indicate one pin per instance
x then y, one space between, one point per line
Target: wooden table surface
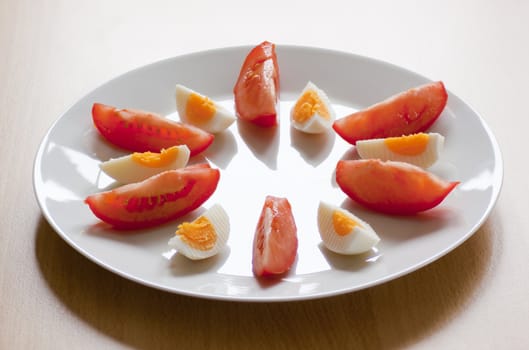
53 52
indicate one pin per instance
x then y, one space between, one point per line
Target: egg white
219 219
221 120
361 239
315 124
377 149
125 170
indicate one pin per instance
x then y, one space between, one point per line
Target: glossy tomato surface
391 187
275 242
157 200
408 112
142 131
256 91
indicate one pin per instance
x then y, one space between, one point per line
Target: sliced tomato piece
409 112
275 242
142 131
158 199
391 187
257 89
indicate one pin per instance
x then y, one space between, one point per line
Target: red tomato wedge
156 200
391 187
408 112
257 89
142 131
275 242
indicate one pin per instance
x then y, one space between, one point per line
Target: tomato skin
408 112
275 242
391 187
141 131
256 91
157 200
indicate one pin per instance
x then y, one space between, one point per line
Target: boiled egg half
422 149
344 233
205 236
312 113
200 111
138 166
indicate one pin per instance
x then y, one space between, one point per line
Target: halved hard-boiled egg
343 232
422 149
204 236
312 113
200 111
138 166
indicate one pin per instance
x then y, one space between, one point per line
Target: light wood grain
53 52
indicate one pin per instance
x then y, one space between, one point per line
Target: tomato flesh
275 242
391 187
156 200
256 91
409 112
142 131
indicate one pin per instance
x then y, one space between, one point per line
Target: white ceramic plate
256 162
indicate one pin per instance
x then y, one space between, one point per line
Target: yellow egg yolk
309 104
342 223
156 160
199 234
410 145
199 109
